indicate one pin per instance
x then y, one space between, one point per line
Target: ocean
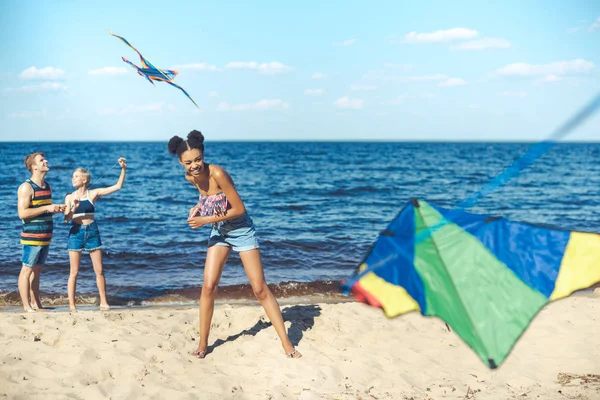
317 208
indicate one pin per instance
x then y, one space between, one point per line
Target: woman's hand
196 222
193 211
122 162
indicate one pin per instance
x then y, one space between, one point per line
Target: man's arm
25 194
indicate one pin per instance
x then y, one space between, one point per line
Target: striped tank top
37 231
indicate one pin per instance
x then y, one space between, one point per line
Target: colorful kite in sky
152 73
485 276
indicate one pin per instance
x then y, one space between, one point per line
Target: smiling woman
232 228
84 234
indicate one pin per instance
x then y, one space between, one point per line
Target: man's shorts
34 256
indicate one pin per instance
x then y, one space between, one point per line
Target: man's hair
30 159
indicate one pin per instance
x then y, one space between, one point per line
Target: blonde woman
84 234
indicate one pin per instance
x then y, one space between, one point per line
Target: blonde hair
30 159
86 174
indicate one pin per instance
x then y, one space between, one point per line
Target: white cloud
441 36
345 43
362 88
196 67
475 106
223 106
348 103
453 82
519 93
213 93
48 73
548 79
46 86
318 75
261 105
274 67
482 44
267 68
29 114
595 25
109 71
559 68
153 108
314 92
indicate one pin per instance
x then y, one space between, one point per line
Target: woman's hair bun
174 144
196 136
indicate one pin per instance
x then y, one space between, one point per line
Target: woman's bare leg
216 256
74 260
256 276
96 256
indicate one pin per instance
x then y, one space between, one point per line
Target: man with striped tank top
35 209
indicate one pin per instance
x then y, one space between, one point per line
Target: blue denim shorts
237 233
84 237
34 256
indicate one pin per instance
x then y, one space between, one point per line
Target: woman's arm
117 186
71 203
236 208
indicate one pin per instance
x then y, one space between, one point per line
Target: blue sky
273 70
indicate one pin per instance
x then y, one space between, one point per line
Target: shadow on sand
302 318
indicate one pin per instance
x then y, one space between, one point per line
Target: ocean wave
133 296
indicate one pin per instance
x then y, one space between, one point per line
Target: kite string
523 162
106 173
501 179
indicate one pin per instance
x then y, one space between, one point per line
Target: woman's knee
99 271
261 291
210 289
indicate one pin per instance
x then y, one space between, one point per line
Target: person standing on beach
84 234
35 209
220 205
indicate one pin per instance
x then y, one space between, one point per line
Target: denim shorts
34 256
84 237
237 233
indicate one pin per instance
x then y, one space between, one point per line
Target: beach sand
351 351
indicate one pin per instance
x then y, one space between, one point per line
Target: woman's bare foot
199 353
104 307
73 309
294 354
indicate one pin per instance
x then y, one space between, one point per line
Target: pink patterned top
211 205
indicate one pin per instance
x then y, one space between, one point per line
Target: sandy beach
351 351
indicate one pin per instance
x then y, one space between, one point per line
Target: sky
299 71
